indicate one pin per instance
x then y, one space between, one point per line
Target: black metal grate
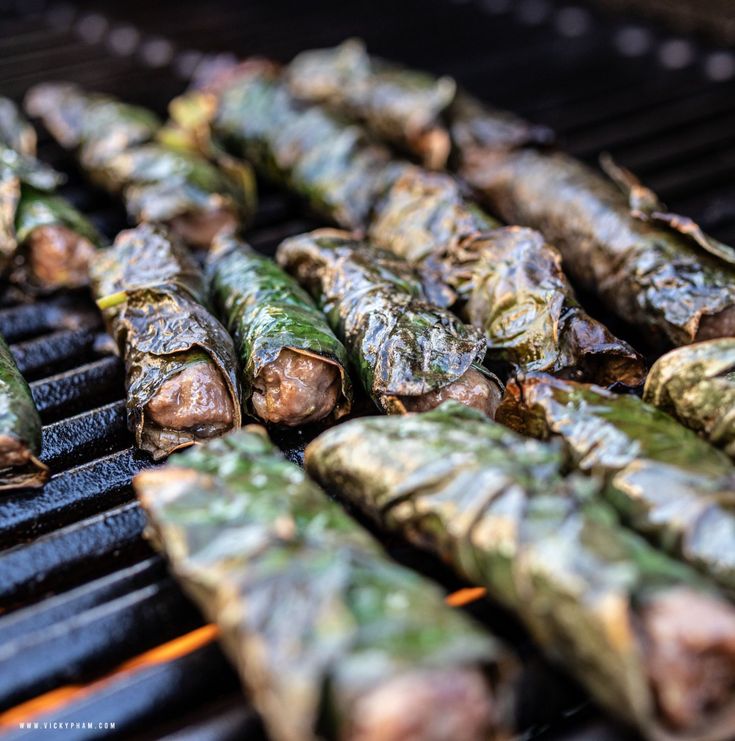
80 591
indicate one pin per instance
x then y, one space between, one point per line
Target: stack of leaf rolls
118 146
468 260
652 268
450 391
45 243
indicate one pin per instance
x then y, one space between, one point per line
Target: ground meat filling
196 399
200 228
717 325
13 452
296 389
435 146
690 646
473 389
59 256
429 706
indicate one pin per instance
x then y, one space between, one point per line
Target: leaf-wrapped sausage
651 640
332 639
20 428
294 370
180 363
45 243
116 145
663 479
408 353
697 385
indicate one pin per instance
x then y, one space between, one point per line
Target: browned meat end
200 228
296 389
13 452
428 706
717 325
58 256
472 389
690 644
195 399
435 145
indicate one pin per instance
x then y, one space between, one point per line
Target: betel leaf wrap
15 132
154 302
10 188
650 274
326 161
37 208
27 201
663 479
98 125
116 145
506 280
323 627
18 172
266 311
401 345
495 506
161 184
20 428
415 111
697 385
426 214
401 106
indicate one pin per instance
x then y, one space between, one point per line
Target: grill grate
80 591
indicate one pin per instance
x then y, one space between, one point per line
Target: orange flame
463 597
58 698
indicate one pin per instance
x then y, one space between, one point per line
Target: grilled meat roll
651 640
180 363
294 370
663 480
332 639
45 243
650 267
410 355
697 385
116 146
332 165
20 428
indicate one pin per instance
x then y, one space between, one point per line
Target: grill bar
222 720
639 127
71 554
76 440
30 320
55 352
24 622
71 495
85 644
75 391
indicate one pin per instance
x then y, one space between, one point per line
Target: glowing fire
463 597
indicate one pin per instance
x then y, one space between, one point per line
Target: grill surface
80 591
